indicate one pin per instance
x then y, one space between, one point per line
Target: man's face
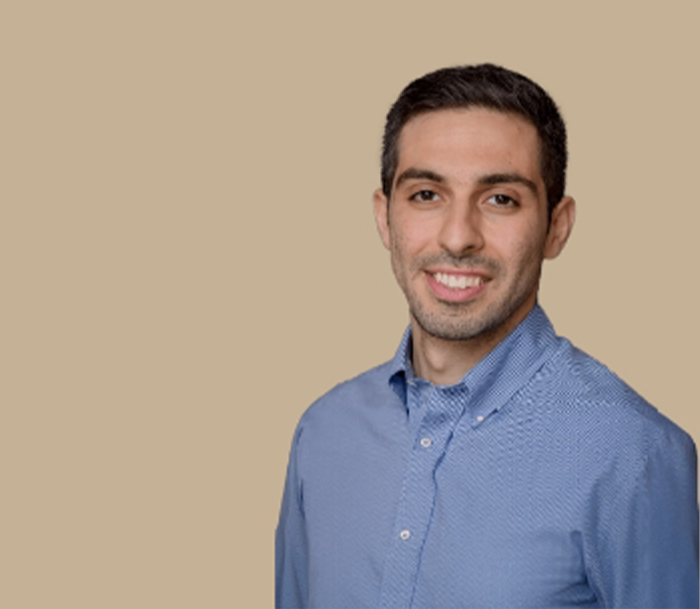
467 222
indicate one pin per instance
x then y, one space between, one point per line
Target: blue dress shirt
539 480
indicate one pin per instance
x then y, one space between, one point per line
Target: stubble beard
461 321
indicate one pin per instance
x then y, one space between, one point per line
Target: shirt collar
500 374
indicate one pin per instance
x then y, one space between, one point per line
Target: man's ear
381 216
563 216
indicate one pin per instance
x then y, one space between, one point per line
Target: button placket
440 414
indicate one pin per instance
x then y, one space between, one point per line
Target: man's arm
291 549
647 545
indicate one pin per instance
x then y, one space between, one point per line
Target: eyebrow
491 179
494 179
413 173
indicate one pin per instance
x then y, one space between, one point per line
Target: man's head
482 86
471 216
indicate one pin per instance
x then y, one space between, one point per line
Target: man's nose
461 230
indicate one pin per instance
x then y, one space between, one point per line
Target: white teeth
459 282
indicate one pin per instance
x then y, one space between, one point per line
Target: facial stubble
462 321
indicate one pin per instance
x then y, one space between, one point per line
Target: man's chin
452 329
470 321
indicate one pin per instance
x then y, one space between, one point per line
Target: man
490 463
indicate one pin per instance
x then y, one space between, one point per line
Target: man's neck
445 362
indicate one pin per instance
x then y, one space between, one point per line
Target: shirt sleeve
647 545
291 547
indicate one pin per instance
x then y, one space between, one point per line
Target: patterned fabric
540 480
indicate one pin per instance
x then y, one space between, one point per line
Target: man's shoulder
368 389
577 384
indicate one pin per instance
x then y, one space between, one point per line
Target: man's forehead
471 119
461 137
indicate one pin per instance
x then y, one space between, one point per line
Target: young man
490 463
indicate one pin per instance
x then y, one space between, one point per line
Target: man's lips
456 285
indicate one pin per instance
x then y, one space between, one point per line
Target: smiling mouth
459 282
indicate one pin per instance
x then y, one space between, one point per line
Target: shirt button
425 442
479 419
405 534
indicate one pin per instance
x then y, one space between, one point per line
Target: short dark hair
482 86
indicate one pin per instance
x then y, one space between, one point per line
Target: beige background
189 257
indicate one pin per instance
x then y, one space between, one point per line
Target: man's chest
450 519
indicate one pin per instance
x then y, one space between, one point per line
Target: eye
424 196
502 201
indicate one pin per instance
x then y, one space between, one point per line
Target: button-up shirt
539 480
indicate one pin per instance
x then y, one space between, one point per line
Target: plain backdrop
189 259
